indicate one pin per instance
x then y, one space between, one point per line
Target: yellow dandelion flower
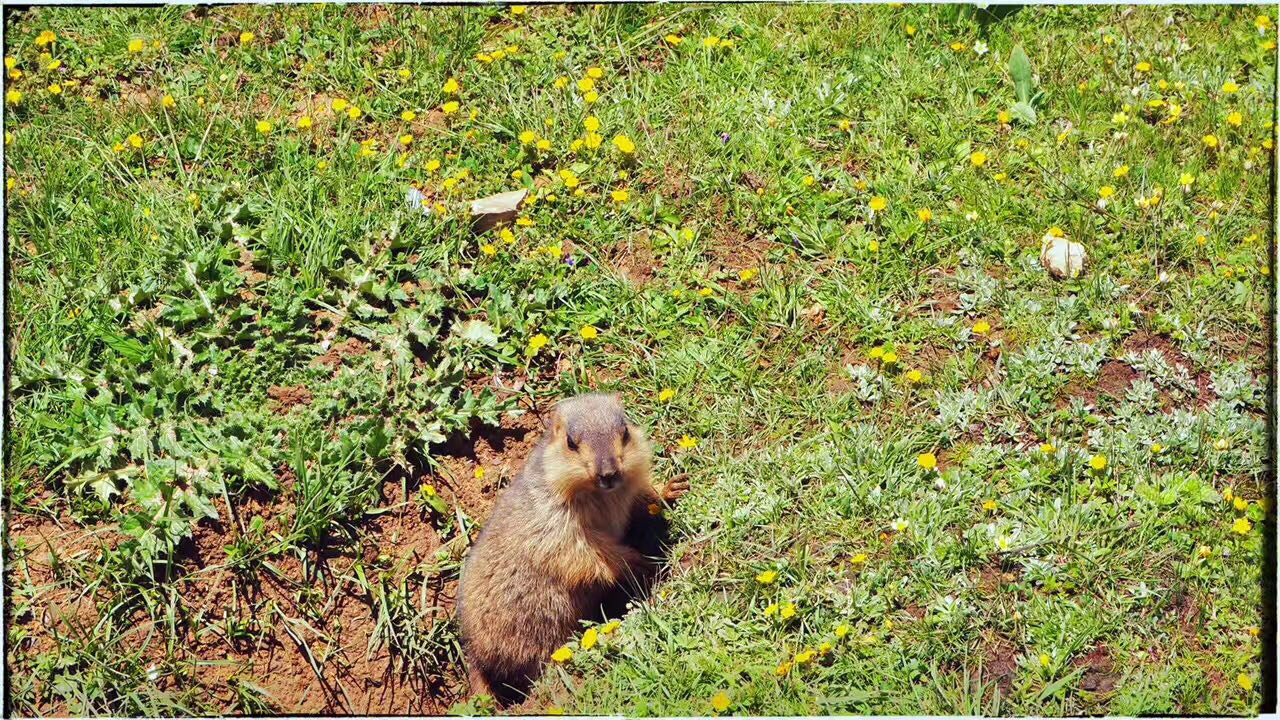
620 196
451 86
720 701
589 639
562 655
978 158
136 45
1245 682
924 214
1229 87
589 332
982 327
450 108
624 144
1098 462
135 140
928 460
688 443
767 577
1241 526
1120 172
877 204
304 122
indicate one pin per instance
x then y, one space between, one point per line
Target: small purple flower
724 138
571 261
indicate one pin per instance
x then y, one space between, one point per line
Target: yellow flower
591 123
957 46
168 101
915 377
928 460
1186 179
562 655
911 30
924 214
747 275
13 97
619 196
858 559
354 112
874 246
688 443
586 84
555 710
136 45
889 358
1240 503
705 292
610 627
787 611
406 139
517 9
404 73
1210 141
561 82
989 505
304 122
592 140
982 327
624 144
710 41
1156 448
1098 462
451 86
263 126
844 125
489 249
978 158
1004 117
135 140
1230 87
767 577
246 38
589 332
673 40
595 73
536 343
450 107
1106 191
45 37
782 669
1245 682
479 473
771 610
1121 171
803 657
877 204
408 116
720 701
589 639
807 181
1241 526
1143 67
1044 660
55 89
1235 118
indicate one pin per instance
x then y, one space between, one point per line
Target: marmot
562 539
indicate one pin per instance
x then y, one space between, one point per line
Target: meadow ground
258 402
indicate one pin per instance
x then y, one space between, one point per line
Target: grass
239 357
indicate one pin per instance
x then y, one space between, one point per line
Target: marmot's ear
555 423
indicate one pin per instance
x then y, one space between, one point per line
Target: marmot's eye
573 445
626 434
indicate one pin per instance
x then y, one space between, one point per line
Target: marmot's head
592 447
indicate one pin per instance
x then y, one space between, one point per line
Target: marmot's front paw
676 488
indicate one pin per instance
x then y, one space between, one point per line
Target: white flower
980 48
900 525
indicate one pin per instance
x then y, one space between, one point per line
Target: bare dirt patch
633 258
1099 675
353 347
285 398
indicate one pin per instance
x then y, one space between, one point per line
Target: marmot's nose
608 480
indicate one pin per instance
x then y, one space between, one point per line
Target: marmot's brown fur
559 542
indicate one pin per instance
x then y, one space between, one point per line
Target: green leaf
1020 70
477 331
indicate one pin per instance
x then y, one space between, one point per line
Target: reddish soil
352 347
1099 676
304 629
633 258
1114 379
285 398
1000 662
1143 340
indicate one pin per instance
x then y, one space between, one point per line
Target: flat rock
489 211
